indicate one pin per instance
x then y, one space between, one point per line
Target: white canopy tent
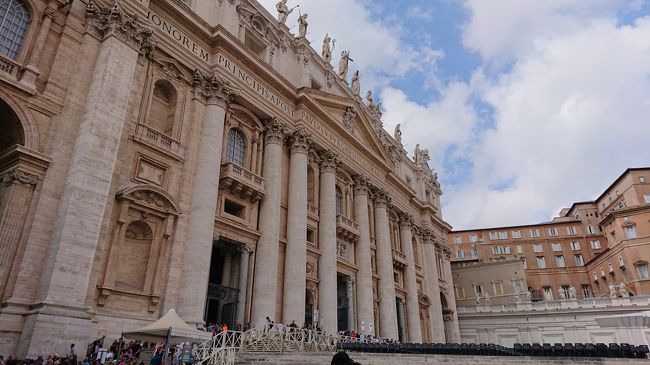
170 328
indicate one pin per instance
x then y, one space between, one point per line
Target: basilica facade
198 156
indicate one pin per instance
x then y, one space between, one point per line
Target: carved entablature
361 185
17 176
213 89
102 21
382 199
330 161
274 131
348 119
300 141
261 26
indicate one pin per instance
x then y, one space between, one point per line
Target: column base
51 328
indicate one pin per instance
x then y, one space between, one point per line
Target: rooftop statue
327 50
343 65
356 84
302 25
283 11
398 134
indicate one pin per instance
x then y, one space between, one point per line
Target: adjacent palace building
593 249
196 155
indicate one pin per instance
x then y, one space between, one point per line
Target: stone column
16 187
412 302
387 308
364 275
451 298
327 266
432 286
295 272
350 297
215 93
265 282
243 285
400 316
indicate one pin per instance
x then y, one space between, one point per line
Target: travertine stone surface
266 261
433 287
295 274
412 303
364 275
387 305
327 238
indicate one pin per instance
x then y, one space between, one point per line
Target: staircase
320 358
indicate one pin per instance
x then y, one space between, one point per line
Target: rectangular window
621 262
516 234
525 262
556 247
234 209
647 198
460 254
595 244
473 238
534 232
493 235
506 250
458 240
310 235
552 232
586 291
580 261
460 292
575 246
630 232
520 249
538 248
474 252
503 235
548 293
642 179
517 286
559 261
478 289
541 262
571 231
496 250
497 287
590 230
642 271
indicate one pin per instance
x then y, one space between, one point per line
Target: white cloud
569 117
378 48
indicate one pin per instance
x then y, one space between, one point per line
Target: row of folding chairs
623 350
556 350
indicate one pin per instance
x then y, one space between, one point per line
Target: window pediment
151 197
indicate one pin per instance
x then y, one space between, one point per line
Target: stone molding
406 221
274 132
428 237
361 185
104 21
213 89
300 141
382 199
17 176
330 161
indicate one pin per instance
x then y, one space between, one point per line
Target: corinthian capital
406 220
17 176
102 21
382 199
361 186
427 235
330 161
300 141
213 89
274 131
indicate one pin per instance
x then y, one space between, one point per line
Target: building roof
519 226
627 171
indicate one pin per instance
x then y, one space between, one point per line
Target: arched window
11 130
339 200
163 107
14 18
311 185
236 149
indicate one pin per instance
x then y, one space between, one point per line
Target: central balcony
347 228
241 182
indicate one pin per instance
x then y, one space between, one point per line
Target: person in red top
224 327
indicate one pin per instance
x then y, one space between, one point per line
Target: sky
526 106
